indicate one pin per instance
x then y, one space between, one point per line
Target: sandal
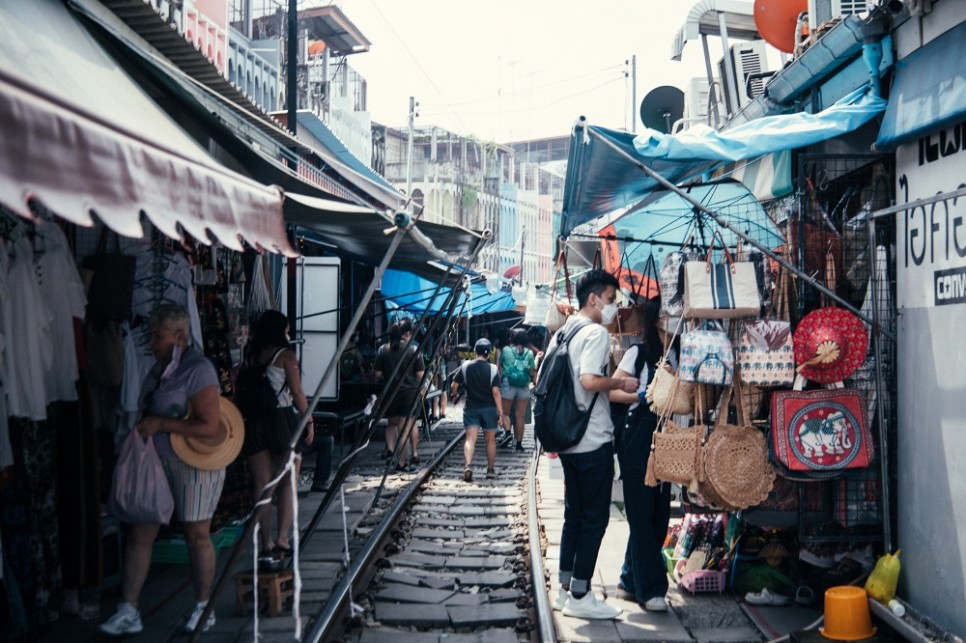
804 595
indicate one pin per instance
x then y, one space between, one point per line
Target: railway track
430 555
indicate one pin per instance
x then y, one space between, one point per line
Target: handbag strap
561 266
724 246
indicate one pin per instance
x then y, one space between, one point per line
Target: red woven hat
830 343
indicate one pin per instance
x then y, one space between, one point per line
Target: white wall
931 447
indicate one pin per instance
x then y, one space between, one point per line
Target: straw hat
217 452
830 343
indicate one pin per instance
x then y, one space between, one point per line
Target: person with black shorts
483 408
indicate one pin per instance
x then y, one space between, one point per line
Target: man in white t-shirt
589 466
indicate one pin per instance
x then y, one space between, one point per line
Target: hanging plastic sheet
602 180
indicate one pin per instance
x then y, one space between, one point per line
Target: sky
507 70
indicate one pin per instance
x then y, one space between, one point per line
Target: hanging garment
27 326
60 286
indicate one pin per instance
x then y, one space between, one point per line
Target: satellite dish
662 107
776 21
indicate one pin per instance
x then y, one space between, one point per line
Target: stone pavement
707 618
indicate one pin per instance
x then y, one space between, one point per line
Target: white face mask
607 314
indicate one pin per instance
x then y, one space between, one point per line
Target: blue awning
414 294
929 91
331 149
603 174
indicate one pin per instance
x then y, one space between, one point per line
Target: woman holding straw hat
180 380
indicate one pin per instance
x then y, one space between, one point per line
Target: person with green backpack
517 370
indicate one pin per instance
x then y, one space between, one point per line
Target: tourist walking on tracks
399 415
518 370
589 466
483 408
648 509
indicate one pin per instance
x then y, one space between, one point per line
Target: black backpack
558 422
254 394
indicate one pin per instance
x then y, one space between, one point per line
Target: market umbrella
664 221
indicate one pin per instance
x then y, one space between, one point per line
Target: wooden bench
274 588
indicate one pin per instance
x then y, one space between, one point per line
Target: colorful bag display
720 290
707 356
671 280
820 432
766 353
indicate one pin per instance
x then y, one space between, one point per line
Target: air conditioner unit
696 102
749 63
821 10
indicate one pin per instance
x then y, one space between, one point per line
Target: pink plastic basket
703 580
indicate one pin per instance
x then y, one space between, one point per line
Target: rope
271 484
354 608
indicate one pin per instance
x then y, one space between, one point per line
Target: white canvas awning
81 137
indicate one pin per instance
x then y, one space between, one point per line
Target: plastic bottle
882 582
897 608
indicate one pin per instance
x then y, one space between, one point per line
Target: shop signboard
931 251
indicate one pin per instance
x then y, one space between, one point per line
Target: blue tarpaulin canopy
929 91
603 174
665 220
415 294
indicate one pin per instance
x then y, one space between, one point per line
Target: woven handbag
667 393
736 462
675 456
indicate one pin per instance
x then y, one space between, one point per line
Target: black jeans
588 478
322 446
648 509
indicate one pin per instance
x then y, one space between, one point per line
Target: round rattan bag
736 465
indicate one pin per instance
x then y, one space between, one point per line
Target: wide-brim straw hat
216 452
830 344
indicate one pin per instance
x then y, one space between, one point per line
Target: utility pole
409 148
634 109
291 64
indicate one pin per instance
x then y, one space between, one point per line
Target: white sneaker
192 623
656 604
766 597
589 607
127 620
561 600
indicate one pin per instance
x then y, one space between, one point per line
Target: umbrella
664 222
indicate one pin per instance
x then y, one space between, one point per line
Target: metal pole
402 224
634 110
721 221
291 65
879 389
409 149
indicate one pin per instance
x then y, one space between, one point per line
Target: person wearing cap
643 575
483 408
589 465
181 378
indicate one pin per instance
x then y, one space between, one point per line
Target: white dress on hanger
61 287
29 351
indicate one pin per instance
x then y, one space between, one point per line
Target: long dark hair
652 346
269 331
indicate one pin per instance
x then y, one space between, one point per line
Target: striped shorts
196 492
